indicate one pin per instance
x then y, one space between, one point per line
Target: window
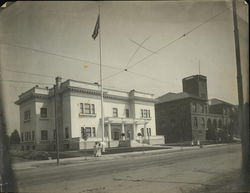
127 113
29 136
86 108
92 109
22 137
81 108
115 112
54 133
33 135
66 133
44 135
93 132
26 136
202 122
43 112
202 108
172 122
86 131
193 106
195 122
145 113
27 115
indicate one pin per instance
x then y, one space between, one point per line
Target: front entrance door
116 134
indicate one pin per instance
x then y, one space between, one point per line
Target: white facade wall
27 125
74 120
151 121
43 123
78 121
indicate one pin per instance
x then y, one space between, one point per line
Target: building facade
76 111
190 116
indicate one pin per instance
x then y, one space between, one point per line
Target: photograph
124 96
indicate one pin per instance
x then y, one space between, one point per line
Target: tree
14 137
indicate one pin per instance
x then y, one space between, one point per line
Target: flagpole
101 84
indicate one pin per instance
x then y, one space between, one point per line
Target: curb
67 161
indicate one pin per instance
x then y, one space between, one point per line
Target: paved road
182 171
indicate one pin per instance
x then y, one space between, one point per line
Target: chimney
58 82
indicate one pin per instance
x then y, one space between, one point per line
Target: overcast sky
54 39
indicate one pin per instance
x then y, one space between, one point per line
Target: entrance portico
128 126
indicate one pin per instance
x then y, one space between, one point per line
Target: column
123 131
109 132
134 131
145 130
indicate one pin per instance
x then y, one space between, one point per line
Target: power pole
240 87
56 125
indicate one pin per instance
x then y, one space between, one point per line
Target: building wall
78 121
176 120
173 120
29 125
196 85
148 106
70 115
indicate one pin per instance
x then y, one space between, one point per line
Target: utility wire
138 48
26 82
180 37
170 43
59 55
141 46
29 73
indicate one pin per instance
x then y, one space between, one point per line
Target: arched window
202 108
193 107
195 122
172 123
202 122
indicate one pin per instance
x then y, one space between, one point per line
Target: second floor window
193 106
127 113
86 108
43 112
195 122
145 113
27 115
115 112
33 135
202 122
44 135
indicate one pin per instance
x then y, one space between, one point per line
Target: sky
42 40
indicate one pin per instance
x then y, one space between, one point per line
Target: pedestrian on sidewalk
95 149
99 150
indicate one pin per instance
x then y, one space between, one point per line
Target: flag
96 30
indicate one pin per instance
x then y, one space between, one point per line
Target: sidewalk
87 159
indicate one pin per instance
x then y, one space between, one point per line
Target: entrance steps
132 143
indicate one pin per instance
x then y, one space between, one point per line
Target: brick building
189 115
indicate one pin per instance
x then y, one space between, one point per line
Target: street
182 171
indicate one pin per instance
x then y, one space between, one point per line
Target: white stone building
78 113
